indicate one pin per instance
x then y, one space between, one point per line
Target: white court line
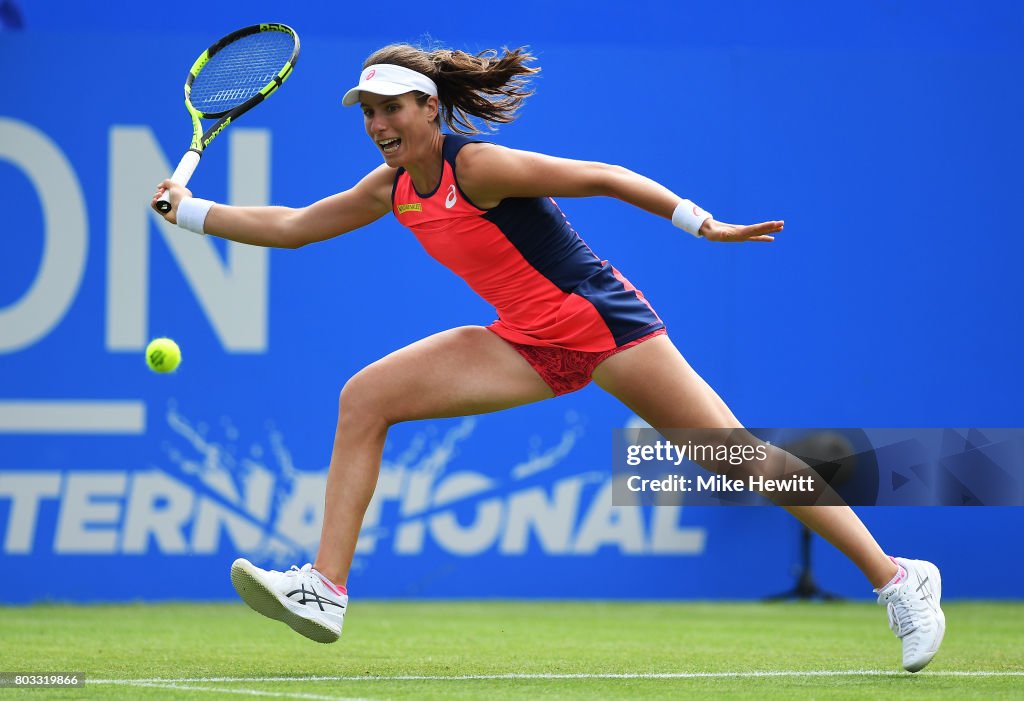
251 692
516 676
60 416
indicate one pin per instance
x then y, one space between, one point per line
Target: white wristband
192 213
688 217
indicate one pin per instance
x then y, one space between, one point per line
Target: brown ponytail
486 86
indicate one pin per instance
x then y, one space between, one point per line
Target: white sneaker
914 613
302 598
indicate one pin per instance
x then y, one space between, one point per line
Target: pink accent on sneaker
331 585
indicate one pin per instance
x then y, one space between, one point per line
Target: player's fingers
766 227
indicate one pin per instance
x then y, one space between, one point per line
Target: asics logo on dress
413 207
449 201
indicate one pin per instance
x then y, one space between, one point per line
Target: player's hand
737 233
178 193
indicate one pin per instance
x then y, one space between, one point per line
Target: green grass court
501 650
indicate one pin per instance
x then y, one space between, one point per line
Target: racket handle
182 174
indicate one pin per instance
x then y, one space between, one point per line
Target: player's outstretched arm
490 173
287 227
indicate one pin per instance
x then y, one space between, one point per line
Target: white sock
901 572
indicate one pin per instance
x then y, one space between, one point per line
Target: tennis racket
229 79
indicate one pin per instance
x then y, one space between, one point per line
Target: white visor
389 79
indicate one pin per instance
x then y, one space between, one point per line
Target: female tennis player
565 317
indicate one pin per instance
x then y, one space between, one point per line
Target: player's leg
655 381
463 371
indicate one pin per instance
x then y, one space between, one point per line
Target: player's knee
362 403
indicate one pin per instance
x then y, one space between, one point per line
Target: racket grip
182 174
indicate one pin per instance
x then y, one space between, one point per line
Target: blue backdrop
886 136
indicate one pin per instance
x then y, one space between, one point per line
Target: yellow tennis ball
162 355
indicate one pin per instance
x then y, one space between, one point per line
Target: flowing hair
485 86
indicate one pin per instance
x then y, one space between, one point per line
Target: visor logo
370 74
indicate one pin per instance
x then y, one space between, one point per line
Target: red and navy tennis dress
524 258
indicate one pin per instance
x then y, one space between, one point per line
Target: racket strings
240 70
